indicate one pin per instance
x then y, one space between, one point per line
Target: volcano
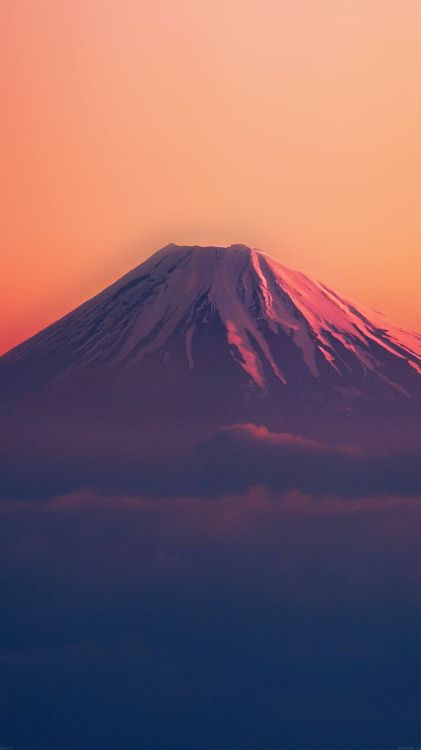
200 337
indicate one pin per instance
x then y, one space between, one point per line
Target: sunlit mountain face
209 498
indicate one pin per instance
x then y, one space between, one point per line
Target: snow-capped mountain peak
278 324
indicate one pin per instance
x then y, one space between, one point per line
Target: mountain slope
228 333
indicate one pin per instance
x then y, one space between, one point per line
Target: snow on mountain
261 305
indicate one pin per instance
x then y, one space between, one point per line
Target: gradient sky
291 126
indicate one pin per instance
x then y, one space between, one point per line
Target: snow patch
249 361
189 337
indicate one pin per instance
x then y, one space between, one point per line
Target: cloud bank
255 619
220 593
228 460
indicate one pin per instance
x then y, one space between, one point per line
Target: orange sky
291 126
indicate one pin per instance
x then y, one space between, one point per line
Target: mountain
199 337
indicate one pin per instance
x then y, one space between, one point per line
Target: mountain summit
214 333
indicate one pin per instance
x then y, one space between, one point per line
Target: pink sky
293 127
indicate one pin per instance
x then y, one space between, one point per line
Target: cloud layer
245 589
253 619
228 460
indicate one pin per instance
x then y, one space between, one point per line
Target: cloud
244 455
227 460
218 592
184 622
